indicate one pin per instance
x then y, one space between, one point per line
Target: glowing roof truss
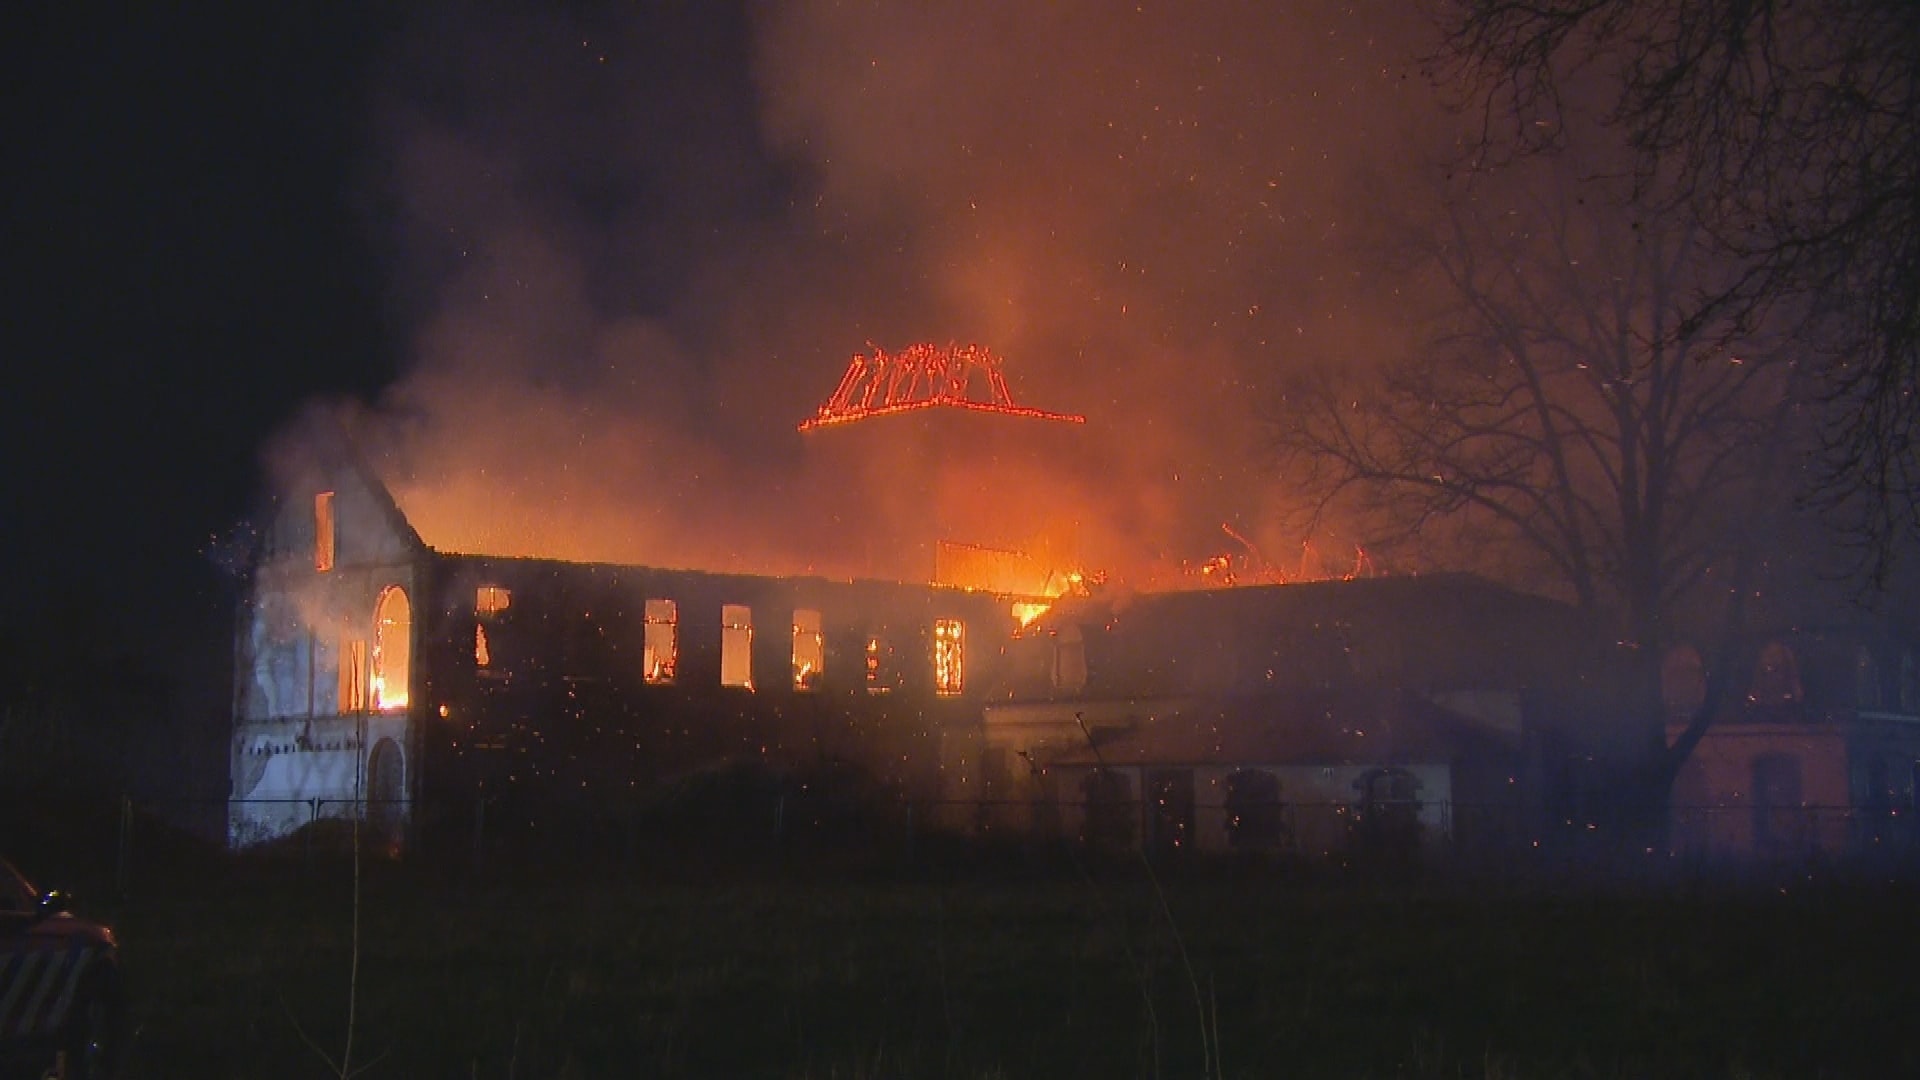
921 377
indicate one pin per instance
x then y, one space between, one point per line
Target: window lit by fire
809 649
949 656
353 675
662 650
879 666
491 600
392 648
736 646
323 531
488 602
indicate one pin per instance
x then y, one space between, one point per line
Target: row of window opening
660 646
1776 680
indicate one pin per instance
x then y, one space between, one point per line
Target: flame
1025 611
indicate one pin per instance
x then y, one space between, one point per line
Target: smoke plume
636 250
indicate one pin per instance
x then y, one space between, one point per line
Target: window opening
663 640
353 676
491 600
1025 611
809 649
1388 821
386 787
1110 810
736 646
879 663
1253 810
1069 659
482 656
392 648
323 531
949 657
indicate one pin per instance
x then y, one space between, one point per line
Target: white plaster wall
287 773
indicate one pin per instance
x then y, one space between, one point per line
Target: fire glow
920 377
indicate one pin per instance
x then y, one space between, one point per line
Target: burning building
376 671
997 689
377 674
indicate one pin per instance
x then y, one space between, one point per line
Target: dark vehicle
60 1000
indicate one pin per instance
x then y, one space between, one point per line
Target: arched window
1683 682
1388 817
1776 677
392 648
386 786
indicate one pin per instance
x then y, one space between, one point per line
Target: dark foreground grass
236 968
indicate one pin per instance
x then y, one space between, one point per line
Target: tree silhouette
1792 133
1575 421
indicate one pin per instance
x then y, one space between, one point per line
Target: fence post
313 820
125 853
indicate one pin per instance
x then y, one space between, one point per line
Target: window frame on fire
356 678
383 664
659 612
809 648
880 670
949 657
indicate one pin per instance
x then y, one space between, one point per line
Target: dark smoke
638 247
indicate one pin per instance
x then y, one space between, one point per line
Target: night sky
191 258
200 236
633 245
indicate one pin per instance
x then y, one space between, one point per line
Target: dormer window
323 531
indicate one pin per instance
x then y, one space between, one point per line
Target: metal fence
1436 833
123 841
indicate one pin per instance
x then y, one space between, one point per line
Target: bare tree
1792 132
1575 420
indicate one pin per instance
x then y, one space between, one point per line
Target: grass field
1007 969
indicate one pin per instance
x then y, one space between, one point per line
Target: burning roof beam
921 377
